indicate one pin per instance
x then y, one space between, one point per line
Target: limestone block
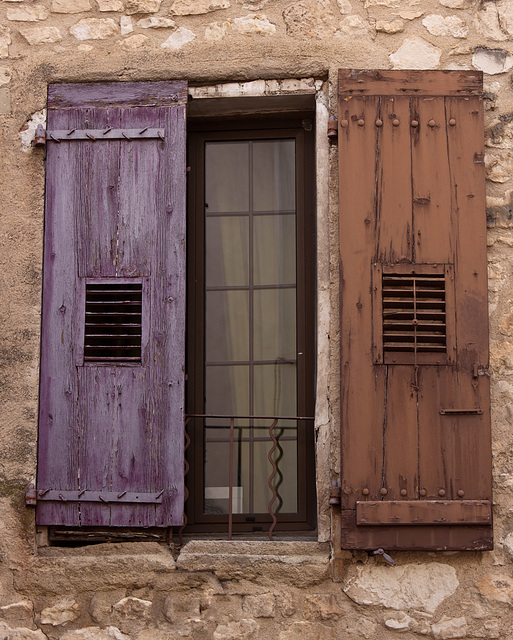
492 61
239 630
410 15
499 166
5 41
143 6
196 7
102 602
400 622
382 3
309 19
177 606
126 25
390 26
505 9
70 6
5 101
456 4
66 610
5 78
323 606
134 42
133 608
255 5
416 53
507 543
110 5
497 587
28 14
260 606
286 604
252 24
95 633
445 26
41 35
487 23
307 631
450 628
156 23
179 39
20 633
94 29
344 6
409 586
353 26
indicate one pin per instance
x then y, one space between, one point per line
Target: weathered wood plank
114 94
58 436
432 215
394 207
361 419
398 83
424 512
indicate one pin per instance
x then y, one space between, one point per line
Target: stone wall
218 589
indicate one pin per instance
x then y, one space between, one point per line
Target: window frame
299 125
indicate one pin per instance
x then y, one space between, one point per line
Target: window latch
386 557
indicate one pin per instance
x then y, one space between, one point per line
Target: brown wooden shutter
415 412
111 405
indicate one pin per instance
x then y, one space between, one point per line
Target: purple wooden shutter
415 407
112 379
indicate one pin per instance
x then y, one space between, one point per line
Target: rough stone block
17 610
20 633
392 26
143 6
497 587
492 61
94 29
28 14
179 39
353 26
110 5
416 53
253 24
456 4
70 6
324 606
236 630
126 25
41 35
95 633
410 586
134 42
499 166
260 606
5 41
450 628
445 26
197 7
487 23
66 610
133 608
505 9
101 604
310 19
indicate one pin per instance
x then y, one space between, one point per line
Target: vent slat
113 322
414 314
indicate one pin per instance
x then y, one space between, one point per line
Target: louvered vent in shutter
414 313
113 322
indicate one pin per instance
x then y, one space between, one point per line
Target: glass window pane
274 249
274 175
227 390
227 326
274 324
226 176
216 467
274 389
227 250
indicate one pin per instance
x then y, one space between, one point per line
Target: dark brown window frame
299 126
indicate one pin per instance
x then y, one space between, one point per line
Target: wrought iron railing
270 456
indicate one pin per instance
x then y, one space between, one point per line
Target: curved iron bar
271 478
279 473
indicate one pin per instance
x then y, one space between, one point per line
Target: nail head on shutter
361 122
461 493
432 123
344 123
365 491
379 122
383 491
414 123
441 492
396 122
404 492
423 492
452 122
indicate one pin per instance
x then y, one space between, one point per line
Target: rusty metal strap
97 135
114 497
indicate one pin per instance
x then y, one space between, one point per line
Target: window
251 339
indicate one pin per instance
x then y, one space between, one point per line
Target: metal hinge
94 135
335 493
33 496
332 129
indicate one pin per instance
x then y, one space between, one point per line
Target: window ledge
294 562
